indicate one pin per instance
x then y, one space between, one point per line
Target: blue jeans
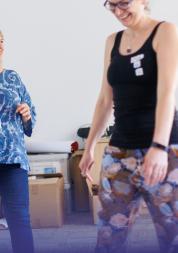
15 199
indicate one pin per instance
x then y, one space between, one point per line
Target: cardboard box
95 207
78 183
50 164
96 167
47 202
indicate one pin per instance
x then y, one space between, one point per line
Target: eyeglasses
123 5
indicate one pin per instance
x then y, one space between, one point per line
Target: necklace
129 43
131 36
128 50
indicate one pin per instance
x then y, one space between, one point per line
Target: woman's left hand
24 110
154 168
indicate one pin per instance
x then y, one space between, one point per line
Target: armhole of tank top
115 45
154 32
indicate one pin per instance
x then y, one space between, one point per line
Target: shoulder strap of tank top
155 30
116 43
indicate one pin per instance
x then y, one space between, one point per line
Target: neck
1 65
141 26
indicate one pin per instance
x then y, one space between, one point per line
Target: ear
145 2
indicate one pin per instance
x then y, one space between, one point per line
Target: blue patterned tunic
12 128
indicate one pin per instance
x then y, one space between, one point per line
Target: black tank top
134 82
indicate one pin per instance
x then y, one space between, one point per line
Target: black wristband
160 146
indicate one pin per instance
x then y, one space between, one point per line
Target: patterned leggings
120 192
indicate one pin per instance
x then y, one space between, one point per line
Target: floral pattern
121 189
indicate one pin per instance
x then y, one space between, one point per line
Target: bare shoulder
110 41
111 37
166 35
167 30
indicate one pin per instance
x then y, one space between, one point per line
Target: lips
125 17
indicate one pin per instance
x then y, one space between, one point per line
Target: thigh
14 187
119 198
172 175
167 191
163 200
117 195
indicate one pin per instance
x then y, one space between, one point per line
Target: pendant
129 50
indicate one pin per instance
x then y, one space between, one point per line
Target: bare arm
167 58
101 115
156 161
104 103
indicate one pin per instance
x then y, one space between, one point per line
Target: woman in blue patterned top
17 117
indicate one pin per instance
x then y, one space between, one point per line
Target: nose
118 11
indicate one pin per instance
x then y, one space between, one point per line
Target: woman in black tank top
141 160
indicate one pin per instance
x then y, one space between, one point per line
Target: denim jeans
15 199
120 192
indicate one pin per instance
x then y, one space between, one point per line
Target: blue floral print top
12 127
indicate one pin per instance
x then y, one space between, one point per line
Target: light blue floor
79 235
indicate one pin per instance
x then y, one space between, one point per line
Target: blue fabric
15 199
12 129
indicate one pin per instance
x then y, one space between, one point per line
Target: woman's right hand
86 163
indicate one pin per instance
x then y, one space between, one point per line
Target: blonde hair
1 34
147 7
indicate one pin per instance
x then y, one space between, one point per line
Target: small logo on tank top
137 64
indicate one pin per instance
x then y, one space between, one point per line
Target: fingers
85 168
89 177
163 176
24 110
20 107
154 174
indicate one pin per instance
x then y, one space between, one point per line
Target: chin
127 22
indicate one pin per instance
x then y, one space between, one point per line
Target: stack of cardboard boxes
80 201
48 178
47 202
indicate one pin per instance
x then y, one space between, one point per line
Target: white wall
57 47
